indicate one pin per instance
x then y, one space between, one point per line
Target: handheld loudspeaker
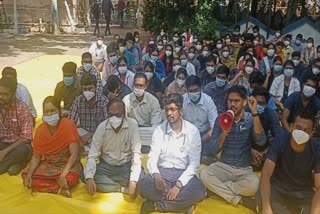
226 120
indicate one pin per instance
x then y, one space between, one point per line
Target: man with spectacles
141 105
16 125
173 162
232 176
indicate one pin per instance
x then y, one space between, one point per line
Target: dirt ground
15 49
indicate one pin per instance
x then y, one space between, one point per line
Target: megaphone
226 120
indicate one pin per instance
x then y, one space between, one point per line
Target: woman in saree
55 165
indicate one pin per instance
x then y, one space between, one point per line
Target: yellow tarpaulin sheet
40 75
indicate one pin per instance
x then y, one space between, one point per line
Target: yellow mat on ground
40 75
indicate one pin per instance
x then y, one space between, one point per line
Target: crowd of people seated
179 85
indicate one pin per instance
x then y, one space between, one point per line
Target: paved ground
19 48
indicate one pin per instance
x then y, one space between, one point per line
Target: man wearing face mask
297 44
171 77
133 49
218 89
88 68
192 58
299 67
99 52
68 89
291 174
131 63
232 177
191 70
287 49
209 74
110 65
16 125
88 110
116 143
314 69
298 101
141 105
115 88
200 110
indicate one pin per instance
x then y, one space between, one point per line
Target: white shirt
191 70
116 148
23 95
171 150
277 87
99 54
203 114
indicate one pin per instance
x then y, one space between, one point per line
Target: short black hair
9 71
305 115
153 48
112 47
289 36
148 64
121 42
183 71
239 89
175 98
122 58
212 58
296 53
86 55
223 69
288 62
312 77
88 79
116 100
261 91
54 101
192 48
256 27
193 80
113 82
69 67
9 83
237 27
140 75
277 58
257 77
299 36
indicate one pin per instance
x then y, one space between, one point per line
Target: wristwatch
179 184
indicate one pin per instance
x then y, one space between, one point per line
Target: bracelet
255 114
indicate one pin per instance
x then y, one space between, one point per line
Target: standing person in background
121 7
95 10
107 9
98 51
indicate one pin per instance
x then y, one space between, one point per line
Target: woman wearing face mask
202 55
167 58
55 165
276 71
242 76
179 85
258 48
160 48
248 54
138 42
209 73
192 58
126 76
228 59
150 41
267 61
154 85
219 45
284 85
309 52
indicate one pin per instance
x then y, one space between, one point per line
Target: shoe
147 207
16 168
249 203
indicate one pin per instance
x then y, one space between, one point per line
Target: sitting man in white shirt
116 143
173 162
98 51
141 105
22 92
200 110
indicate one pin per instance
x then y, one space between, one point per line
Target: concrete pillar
15 16
55 17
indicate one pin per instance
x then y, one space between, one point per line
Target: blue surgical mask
51 120
122 49
288 72
195 96
155 58
260 109
277 69
114 59
68 81
87 66
220 82
184 62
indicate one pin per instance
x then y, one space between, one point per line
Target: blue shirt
294 104
130 59
236 150
293 172
218 95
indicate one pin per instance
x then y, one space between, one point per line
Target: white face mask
115 122
175 39
160 47
225 54
288 72
198 47
136 39
191 55
300 137
286 43
168 53
122 69
51 120
277 34
309 45
205 53
248 69
219 46
270 52
255 42
100 42
177 49
88 95
180 82
176 67
308 91
149 75
138 92
295 62
210 69
315 71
